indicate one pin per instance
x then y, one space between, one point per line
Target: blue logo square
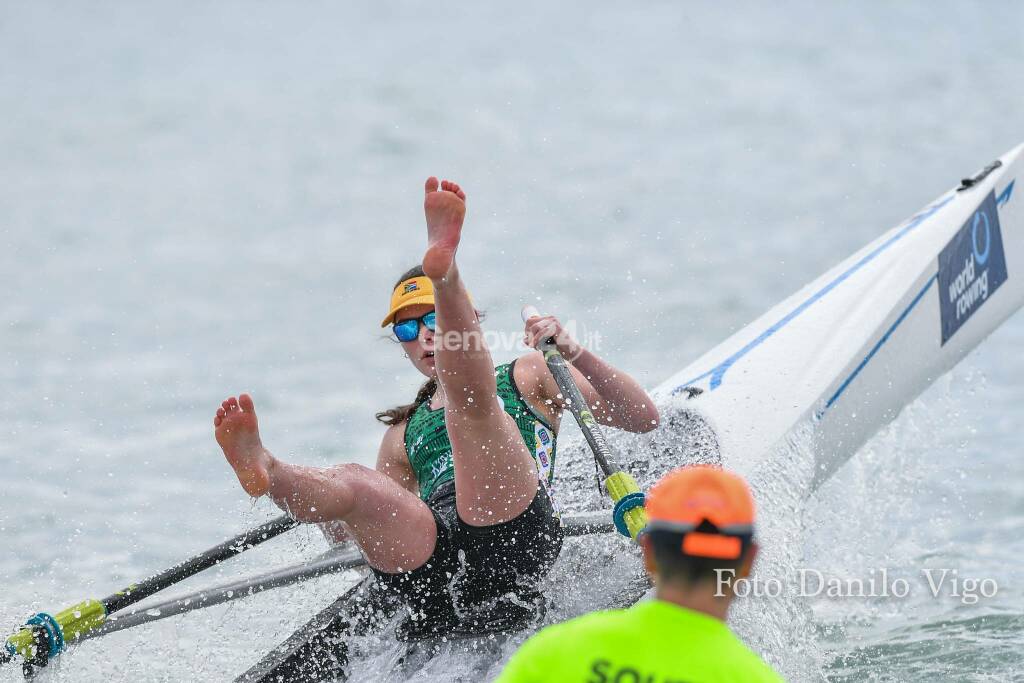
971 267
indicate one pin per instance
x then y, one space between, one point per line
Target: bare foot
445 208
238 434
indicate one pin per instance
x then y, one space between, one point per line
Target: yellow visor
411 292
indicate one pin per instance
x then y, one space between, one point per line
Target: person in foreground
456 517
700 519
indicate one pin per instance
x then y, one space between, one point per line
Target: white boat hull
849 350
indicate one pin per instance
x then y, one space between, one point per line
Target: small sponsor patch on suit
542 451
971 267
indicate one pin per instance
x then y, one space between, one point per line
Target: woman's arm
615 398
393 461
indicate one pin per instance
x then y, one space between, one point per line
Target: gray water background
198 199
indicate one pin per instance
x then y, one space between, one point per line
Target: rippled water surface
200 199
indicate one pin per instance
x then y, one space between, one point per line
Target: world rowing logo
971 267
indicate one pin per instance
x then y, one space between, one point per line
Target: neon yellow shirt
652 642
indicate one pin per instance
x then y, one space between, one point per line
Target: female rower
457 512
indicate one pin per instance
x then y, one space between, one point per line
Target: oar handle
545 344
629 514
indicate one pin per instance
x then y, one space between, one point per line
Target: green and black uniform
430 450
653 641
473 565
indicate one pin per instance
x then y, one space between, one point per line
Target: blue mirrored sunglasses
407 330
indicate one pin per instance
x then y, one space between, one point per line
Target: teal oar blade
47 635
629 515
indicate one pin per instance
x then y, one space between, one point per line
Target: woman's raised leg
393 527
495 475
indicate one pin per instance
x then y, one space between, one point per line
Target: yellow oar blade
22 643
61 629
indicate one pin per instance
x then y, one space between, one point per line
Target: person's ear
748 561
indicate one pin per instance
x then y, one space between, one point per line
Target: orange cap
685 498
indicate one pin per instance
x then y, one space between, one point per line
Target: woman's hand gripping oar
45 636
629 515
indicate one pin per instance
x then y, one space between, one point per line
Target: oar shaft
629 514
331 563
574 400
192 566
577 405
